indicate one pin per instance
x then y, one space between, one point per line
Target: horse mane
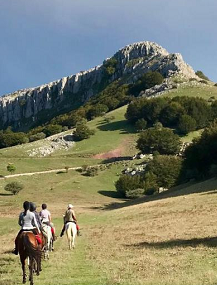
31 249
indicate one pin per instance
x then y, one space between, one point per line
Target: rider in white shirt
28 222
45 216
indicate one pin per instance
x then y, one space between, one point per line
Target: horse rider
70 217
45 217
28 222
37 217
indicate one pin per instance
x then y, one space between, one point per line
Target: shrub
14 187
50 130
171 114
36 137
167 171
97 110
200 74
127 182
82 132
136 193
141 125
92 171
9 138
11 168
162 140
148 80
202 153
186 124
203 81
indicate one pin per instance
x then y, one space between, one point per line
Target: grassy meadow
167 239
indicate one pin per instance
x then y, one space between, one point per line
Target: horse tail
31 249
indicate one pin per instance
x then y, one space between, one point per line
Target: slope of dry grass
167 241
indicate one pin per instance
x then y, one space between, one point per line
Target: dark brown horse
28 248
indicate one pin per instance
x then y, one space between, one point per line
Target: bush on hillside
170 115
97 110
92 171
14 187
8 139
11 168
202 153
82 132
200 74
127 183
141 125
50 130
165 170
162 140
148 80
169 110
186 124
135 193
36 137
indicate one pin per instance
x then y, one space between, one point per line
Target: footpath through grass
64 267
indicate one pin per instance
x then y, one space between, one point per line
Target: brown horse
28 247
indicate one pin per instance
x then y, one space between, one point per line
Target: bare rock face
23 108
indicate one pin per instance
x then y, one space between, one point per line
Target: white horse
48 240
71 232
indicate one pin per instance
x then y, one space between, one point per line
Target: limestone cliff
23 108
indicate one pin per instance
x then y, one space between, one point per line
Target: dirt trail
39 172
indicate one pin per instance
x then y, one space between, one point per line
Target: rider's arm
20 221
49 217
73 215
36 224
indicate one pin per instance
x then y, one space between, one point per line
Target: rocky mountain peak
23 108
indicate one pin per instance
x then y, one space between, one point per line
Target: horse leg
73 239
24 270
31 264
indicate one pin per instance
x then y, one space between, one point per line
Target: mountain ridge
24 107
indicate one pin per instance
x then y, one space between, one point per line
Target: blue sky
44 40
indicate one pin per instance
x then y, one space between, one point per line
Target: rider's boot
15 251
79 233
62 232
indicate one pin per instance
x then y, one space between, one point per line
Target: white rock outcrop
23 108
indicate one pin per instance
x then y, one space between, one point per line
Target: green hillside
165 239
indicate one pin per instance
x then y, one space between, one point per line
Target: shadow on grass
6 194
109 193
207 187
194 242
61 172
123 126
114 159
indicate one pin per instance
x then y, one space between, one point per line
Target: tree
97 110
36 137
141 125
186 124
200 74
14 187
202 153
170 115
50 130
166 170
162 140
148 80
82 132
11 168
127 182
